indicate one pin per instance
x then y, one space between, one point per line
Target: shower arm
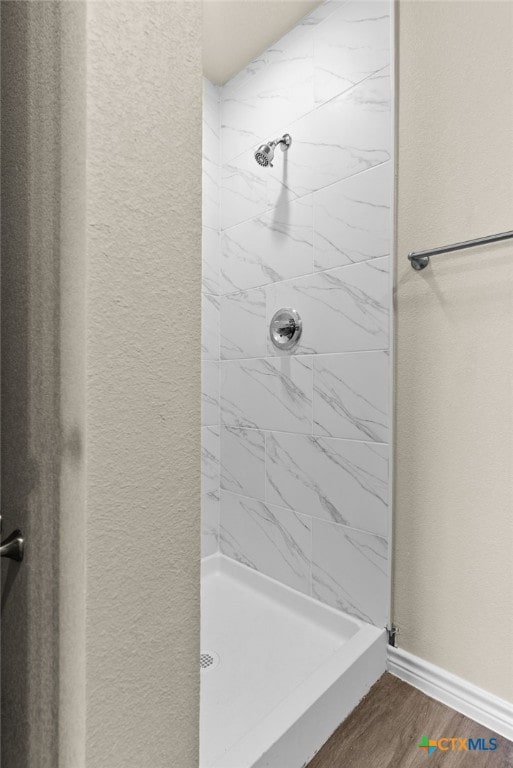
285 140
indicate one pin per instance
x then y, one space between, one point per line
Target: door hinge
392 631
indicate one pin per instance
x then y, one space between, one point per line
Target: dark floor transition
386 727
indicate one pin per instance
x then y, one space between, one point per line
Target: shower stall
296 371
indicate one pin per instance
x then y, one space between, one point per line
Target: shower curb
480 705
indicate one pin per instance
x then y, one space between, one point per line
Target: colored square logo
428 745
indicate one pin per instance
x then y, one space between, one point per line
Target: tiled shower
296 444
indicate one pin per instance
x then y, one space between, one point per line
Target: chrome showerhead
265 152
264 155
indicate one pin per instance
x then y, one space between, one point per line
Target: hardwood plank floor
386 727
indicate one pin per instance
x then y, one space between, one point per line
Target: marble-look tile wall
210 500
304 455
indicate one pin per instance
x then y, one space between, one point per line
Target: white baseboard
481 706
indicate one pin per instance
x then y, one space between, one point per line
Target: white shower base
287 670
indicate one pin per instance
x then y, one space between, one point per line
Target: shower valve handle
285 329
282 328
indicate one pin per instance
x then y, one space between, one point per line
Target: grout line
312 397
267 319
354 528
220 428
320 105
268 357
219 488
301 25
312 192
265 467
306 514
268 431
329 437
313 355
316 273
311 557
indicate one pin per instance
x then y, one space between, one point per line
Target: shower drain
209 660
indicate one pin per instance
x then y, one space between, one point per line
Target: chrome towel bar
420 259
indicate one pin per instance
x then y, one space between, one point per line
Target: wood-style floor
385 728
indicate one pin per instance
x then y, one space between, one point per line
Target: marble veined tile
244 75
354 130
210 327
321 12
343 310
274 541
211 121
340 138
210 452
271 247
295 45
209 393
353 44
293 175
242 121
243 190
210 90
279 93
349 571
210 193
210 254
290 78
210 506
210 155
243 326
270 393
351 395
243 461
338 480
352 219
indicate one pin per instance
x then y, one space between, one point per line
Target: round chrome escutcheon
285 328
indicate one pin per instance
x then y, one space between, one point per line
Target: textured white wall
73 519
34 446
101 270
453 589
144 93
